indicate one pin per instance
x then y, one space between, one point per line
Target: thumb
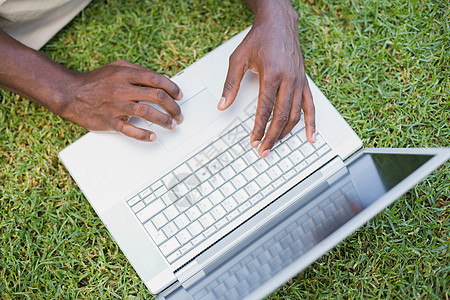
236 71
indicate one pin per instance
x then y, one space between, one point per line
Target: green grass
385 65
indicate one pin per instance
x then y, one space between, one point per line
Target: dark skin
105 98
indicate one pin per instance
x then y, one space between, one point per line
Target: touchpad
200 111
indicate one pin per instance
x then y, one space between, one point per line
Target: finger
280 118
268 87
150 114
159 97
146 77
296 112
310 114
236 70
133 131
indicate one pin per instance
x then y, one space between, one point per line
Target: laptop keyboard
272 253
220 182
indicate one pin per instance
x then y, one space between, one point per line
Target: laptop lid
371 180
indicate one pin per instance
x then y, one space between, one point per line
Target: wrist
273 10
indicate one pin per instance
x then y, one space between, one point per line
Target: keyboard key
273 158
169 198
263 180
158 236
248 124
227 189
300 125
220 145
170 229
216 197
250 157
209 231
186 248
307 149
302 136
169 180
151 210
170 246
205 205
222 222
294 142
266 191
323 150
296 157
237 151
195 228
183 236
138 206
289 174
258 197
149 198
225 158
241 196
239 181
205 188
250 173
193 213
198 239
261 165
180 189
246 205
216 181
159 220
161 190
192 181
233 215
193 196
274 172
286 164
313 157
228 172
145 193
218 212
319 141
171 212
245 144
203 174
282 150
229 204
206 220
239 165
134 200
279 182
214 166
174 256
252 188
182 221
156 185
301 166
182 171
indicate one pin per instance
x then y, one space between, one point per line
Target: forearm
33 75
269 9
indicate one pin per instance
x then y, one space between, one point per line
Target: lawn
385 65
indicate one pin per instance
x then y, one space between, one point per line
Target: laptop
200 216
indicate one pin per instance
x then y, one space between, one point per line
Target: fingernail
221 104
152 137
180 95
180 119
313 137
265 153
255 144
174 124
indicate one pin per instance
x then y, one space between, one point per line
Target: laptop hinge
189 274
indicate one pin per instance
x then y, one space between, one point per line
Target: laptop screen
301 228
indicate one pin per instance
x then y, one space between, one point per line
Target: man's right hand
106 98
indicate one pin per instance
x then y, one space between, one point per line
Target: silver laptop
200 216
